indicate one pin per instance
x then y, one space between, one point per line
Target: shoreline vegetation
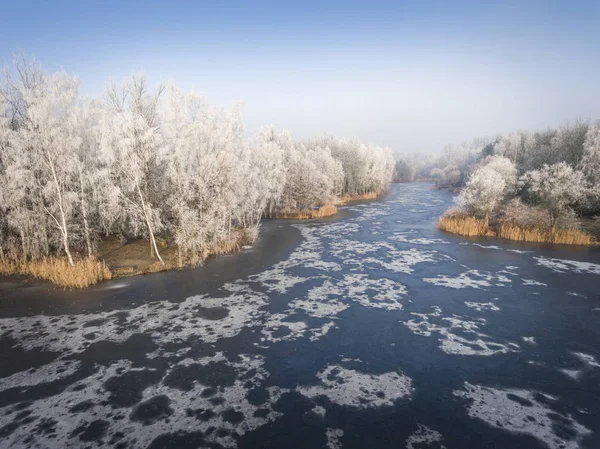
531 187
326 210
116 259
456 222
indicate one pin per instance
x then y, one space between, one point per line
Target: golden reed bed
306 214
85 272
471 226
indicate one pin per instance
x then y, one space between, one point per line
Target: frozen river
370 330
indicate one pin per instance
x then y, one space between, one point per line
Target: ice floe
588 359
572 373
530 340
344 386
104 408
408 237
470 279
482 306
458 335
523 411
424 437
533 282
574 266
333 438
163 321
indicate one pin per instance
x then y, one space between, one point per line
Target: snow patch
523 411
353 388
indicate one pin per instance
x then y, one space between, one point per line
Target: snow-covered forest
541 180
153 163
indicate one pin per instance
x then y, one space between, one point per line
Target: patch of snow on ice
470 279
333 438
482 306
562 265
424 437
458 336
533 282
357 389
523 411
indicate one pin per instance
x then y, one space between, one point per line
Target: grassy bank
470 226
117 259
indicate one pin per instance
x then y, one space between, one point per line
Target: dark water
371 330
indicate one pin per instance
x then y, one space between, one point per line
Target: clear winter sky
411 75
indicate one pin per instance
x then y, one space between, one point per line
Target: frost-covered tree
205 168
267 173
590 162
557 187
506 169
133 143
74 169
366 167
45 146
404 171
488 187
568 143
5 132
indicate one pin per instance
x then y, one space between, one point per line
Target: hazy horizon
413 77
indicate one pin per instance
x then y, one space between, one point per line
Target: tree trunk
63 225
86 227
150 232
553 220
46 242
66 245
179 259
229 226
23 244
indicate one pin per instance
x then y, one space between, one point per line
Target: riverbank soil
133 257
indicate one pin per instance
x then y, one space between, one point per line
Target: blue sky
411 75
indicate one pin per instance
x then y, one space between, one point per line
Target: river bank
115 258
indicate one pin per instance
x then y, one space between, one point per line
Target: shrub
522 215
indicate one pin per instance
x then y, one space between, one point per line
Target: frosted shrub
525 216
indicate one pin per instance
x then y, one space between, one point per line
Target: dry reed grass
122 261
325 210
364 196
85 272
565 236
458 223
307 214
